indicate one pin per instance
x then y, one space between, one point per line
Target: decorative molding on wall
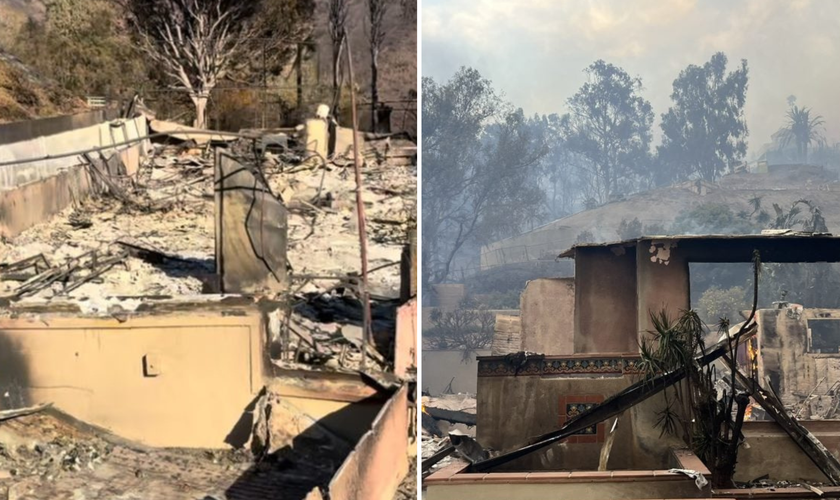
539 365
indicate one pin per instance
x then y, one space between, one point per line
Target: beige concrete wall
35 202
102 134
448 296
177 379
405 345
342 405
440 366
539 403
426 322
32 192
548 316
507 335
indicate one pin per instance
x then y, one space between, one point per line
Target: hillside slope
24 95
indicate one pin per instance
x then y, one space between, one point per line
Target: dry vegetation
24 96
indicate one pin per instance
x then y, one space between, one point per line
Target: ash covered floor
323 237
44 456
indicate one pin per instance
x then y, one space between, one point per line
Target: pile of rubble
46 455
448 422
167 210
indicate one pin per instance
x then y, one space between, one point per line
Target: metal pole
360 209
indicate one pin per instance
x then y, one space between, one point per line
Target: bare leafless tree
409 9
338 10
198 43
377 32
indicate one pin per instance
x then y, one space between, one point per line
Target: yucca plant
709 423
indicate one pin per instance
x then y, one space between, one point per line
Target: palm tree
802 129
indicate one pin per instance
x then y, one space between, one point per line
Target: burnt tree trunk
374 88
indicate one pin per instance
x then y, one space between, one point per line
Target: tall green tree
609 128
479 169
705 131
802 129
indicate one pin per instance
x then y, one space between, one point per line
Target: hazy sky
535 51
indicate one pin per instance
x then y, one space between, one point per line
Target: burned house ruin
180 319
564 407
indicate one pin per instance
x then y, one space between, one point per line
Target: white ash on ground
323 235
44 456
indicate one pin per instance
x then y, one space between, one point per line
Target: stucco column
662 281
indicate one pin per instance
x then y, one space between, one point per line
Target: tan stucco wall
605 301
101 134
548 316
379 461
507 335
23 207
210 370
662 282
440 366
533 403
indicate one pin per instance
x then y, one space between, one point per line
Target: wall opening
824 336
726 289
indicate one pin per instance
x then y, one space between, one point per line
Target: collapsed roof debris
448 420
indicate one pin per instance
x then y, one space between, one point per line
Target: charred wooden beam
456 417
439 455
807 442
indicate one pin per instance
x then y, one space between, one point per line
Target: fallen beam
807 442
454 416
629 397
439 455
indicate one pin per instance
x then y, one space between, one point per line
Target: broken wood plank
150 255
607 447
22 412
816 490
430 425
807 442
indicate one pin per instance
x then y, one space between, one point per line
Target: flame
748 411
752 350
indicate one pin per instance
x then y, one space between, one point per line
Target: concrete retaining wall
179 379
34 191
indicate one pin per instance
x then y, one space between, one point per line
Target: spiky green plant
706 421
